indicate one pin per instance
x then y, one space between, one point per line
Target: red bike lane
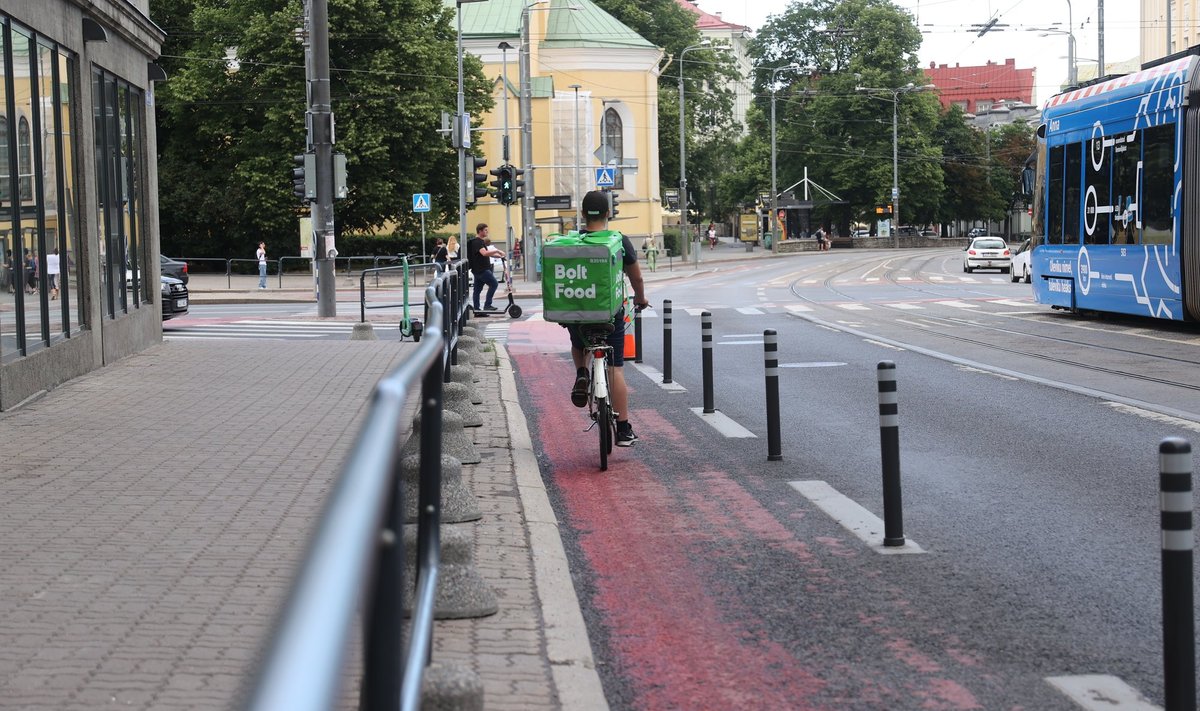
692 579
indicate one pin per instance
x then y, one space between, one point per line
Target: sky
949 37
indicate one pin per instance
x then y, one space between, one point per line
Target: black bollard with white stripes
707 360
889 447
771 368
666 340
1179 637
637 336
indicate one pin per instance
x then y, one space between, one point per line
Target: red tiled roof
709 21
990 82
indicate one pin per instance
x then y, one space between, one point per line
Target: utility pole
1100 72
528 247
321 116
508 229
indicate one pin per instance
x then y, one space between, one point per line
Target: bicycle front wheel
604 421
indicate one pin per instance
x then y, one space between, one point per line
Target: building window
37 220
119 134
614 138
25 158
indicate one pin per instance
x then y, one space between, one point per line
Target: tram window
1126 153
1054 212
1097 191
1158 170
1071 199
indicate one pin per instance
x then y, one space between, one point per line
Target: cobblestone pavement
152 513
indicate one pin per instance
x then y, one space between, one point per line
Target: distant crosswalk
262 329
771 308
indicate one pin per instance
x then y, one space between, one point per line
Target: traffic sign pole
423 257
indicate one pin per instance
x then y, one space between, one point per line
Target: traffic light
503 184
304 177
613 202
476 186
518 185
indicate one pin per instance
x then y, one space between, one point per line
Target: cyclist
595 212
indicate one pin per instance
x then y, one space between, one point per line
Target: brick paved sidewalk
151 514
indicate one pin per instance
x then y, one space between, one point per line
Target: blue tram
1117 195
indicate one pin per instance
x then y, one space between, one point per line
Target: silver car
987 253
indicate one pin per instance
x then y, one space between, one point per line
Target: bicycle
599 353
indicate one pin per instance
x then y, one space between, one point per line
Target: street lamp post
685 238
575 165
774 188
906 89
508 230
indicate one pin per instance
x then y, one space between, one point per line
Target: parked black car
173 268
174 298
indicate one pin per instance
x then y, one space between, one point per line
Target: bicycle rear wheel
604 420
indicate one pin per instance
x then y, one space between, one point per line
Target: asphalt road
709 581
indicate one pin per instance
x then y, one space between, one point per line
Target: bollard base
363 331
893 542
775 458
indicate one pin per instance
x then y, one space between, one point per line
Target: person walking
479 258
712 236
262 265
452 248
441 255
52 270
596 213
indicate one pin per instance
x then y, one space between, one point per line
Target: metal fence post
707 360
667 341
1179 638
771 368
889 446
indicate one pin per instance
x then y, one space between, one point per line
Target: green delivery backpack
583 277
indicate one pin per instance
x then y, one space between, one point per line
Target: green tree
968 195
227 129
842 136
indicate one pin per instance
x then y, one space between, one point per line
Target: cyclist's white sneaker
625 435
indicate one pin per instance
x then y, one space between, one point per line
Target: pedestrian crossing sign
421 202
605 178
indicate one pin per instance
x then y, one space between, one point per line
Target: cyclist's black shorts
616 339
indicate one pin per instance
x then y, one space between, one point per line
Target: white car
1021 270
987 253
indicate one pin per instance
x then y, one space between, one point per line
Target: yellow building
594 104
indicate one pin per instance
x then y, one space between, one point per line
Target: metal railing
342 265
356 552
411 269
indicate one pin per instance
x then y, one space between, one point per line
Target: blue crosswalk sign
421 202
605 178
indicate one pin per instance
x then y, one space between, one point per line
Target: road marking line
695 312
759 342
904 278
816 364
722 424
750 311
742 335
1009 302
853 517
809 281
1101 691
957 304
881 344
906 307
870 279
854 307
656 377
798 308
1154 416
